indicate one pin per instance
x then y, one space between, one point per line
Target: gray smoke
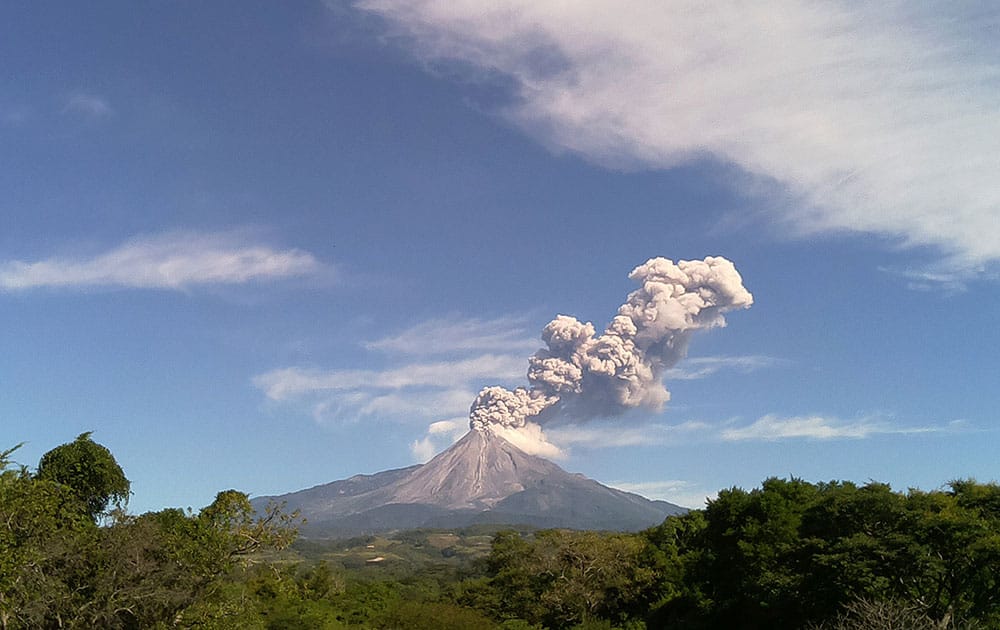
582 376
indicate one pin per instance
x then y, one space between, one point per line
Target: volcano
482 478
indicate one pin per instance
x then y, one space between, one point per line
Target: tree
562 578
854 546
90 470
952 564
151 568
413 615
42 529
751 542
863 614
60 569
792 553
678 543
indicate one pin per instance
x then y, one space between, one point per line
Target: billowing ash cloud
579 375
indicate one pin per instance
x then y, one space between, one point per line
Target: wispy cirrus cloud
866 117
172 261
88 105
460 335
703 367
613 435
13 115
470 353
430 390
770 428
287 383
946 277
773 428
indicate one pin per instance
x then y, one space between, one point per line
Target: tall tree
42 529
90 470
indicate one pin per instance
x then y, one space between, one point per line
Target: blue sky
268 245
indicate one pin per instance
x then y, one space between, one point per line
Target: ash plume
579 375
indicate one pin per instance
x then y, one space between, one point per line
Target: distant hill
482 478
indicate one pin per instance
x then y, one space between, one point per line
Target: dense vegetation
68 561
790 554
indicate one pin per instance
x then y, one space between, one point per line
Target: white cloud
530 438
479 353
168 261
417 390
423 450
14 116
454 427
292 382
871 117
613 435
772 428
701 367
439 436
89 105
420 404
946 278
460 335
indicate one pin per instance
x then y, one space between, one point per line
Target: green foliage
750 542
793 553
90 471
412 615
953 553
41 528
59 569
240 531
295 597
679 541
562 578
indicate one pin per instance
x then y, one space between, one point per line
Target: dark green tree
679 544
90 470
954 553
792 553
751 542
854 543
561 578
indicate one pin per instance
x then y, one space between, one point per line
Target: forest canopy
789 554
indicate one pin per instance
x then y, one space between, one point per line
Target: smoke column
579 375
